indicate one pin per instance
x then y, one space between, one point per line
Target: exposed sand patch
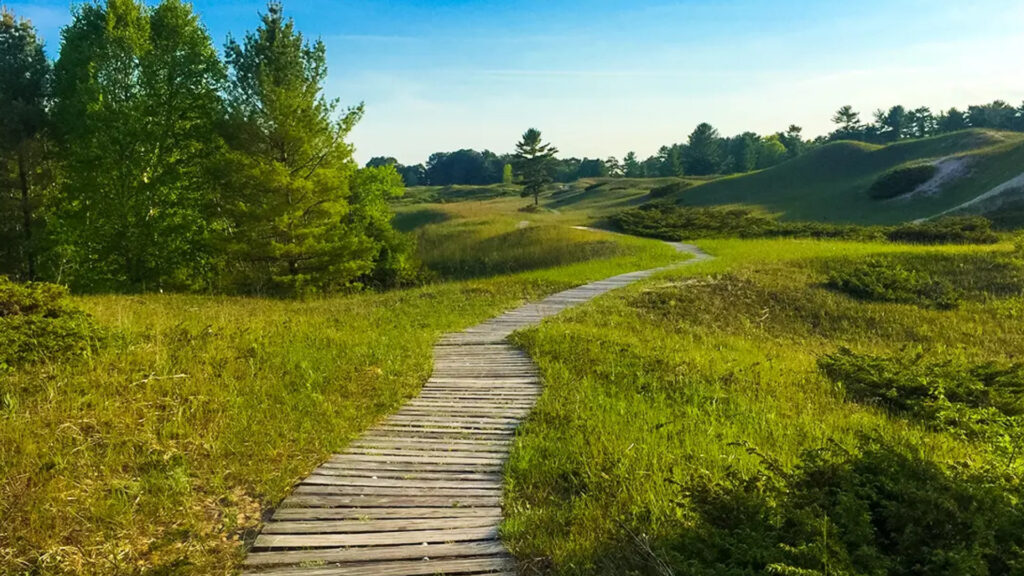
946 170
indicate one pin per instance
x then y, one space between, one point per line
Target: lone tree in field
24 82
534 162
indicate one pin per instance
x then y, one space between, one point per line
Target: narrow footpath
420 493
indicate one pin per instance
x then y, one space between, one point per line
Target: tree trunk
26 213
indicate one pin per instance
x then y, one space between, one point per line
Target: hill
831 183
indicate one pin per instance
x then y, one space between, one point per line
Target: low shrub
673 222
674 187
887 280
877 509
976 398
38 322
948 230
901 180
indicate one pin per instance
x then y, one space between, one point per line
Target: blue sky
601 78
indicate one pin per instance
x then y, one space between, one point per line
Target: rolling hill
831 183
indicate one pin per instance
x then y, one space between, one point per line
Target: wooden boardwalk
420 493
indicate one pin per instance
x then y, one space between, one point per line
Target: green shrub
37 322
976 398
948 230
673 222
674 187
901 180
879 509
886 280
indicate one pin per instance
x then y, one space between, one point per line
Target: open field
161 451
681 416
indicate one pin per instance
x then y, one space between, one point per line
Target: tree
892 124
631 166
534 163
703 154
378 161
592 168
742 152
670 160
920 123
793 140
413 175
998 116
771 151
952 120
137 97
24 87
850 126
613 166
506 174
296 207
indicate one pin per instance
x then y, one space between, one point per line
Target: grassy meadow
160 452
688 425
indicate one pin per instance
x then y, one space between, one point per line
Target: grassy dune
831 183
161 452
674 409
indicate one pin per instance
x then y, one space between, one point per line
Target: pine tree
299 215
534 163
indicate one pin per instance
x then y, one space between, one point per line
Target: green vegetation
947 230
38 322
885 280
828 183
687 427
160 450
901 180
147 163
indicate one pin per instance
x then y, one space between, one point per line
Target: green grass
160 452
681 419
831 183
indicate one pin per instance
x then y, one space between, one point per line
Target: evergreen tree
534 163
300 218
703 154
631 166
24 87
136 102
850 126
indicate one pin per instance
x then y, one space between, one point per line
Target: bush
886 280
901 180
674 187
673 222
37 322
976 398
879 509
948 230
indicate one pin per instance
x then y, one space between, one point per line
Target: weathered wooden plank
365 526
374 538
493 565
305 489
318 501
383 513
400 482
381 553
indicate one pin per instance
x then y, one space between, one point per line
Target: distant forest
707 152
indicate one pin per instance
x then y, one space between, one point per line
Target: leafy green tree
378 161
771 151
295 205
670 160
631 167
997 115
534 162
24 87
703 154
506 174
592 168
137 97
742 152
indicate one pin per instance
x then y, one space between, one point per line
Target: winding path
420 493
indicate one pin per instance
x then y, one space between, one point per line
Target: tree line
706 151
143 159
